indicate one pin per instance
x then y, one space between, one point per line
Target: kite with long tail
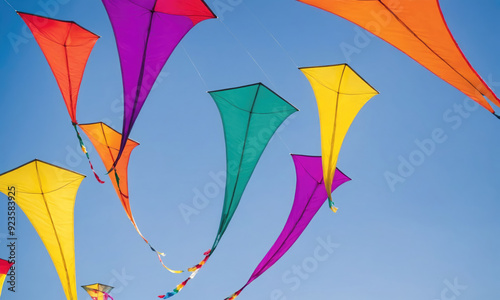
309 196
250 116
106 141
66 46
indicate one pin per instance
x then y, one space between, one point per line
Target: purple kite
147 32
309 196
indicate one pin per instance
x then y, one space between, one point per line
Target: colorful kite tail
159 254
194 271
107 296
179 287
84 149
201 263
332 204
236 294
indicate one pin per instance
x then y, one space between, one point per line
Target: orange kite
107 141
418 29
66 46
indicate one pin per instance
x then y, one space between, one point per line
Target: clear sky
432 236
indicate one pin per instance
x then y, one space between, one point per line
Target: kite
308 199
4 269
419 30
46 194
340 94
66 46
146 33
98 291
106 141
250 116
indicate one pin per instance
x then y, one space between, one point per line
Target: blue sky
409 240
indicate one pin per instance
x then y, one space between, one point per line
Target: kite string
248 52
270 34
194 66
194 271
10 5
84 149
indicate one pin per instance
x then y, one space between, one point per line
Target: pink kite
309 196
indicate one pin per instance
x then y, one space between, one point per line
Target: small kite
98 291
46 194
309 196
419 30
340 94
66 46
106 141
147 32
4 269
250 116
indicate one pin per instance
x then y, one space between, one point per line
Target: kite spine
331 204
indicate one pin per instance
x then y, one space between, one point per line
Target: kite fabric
146 33
98 291
340 93
66 46
250 116
5 266
107 141
419 30
46 194
309 196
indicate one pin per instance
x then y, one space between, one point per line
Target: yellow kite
46 194
340 94
418 29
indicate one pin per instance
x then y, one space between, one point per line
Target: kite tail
84 149
10 5
159 254
201 263
179 287
194 271
236 294
106 295
332 204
